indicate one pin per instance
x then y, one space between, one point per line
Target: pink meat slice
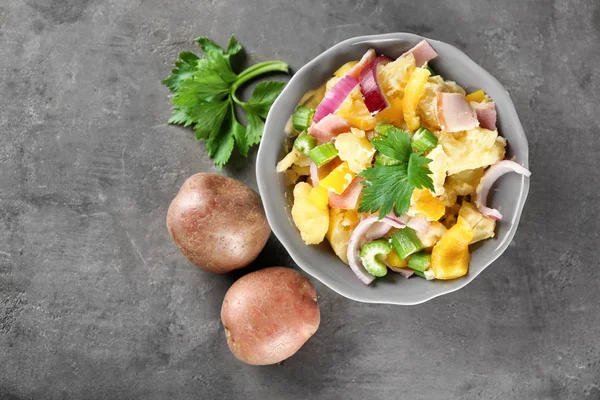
423 52
364 61
349 198
486 114
454 113
328 128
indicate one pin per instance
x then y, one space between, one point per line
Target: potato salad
392 164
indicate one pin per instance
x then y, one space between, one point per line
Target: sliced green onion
406 242
382 159
420 262
384 129
427 67
369 255
324 153
423 140
304 143
303 117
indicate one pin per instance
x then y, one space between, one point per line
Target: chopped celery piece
420 262
303 117
369 254
406 242
423 140
429 275
324 153
304 143
382 159
384 129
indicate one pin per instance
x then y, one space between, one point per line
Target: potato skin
218 223
269 314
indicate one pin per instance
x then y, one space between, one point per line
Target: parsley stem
255 71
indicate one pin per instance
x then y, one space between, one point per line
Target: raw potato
218 223
269 314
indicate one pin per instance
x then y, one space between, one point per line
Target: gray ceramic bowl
320 261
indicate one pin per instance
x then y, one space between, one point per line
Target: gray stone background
97 303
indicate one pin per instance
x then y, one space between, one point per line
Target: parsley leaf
254 128
185 67
390 187
386 187
418 173
263 97
395 145
205 97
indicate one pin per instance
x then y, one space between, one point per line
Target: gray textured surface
97 303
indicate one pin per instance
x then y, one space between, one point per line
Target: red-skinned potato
218 223
269 314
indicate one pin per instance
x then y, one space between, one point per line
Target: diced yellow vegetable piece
472 149
424 203
345 68
450 256
412 94
477 96
339 179
288 160
465 182
319 196
394 76
438 167
428 102
312 220
483 227
357 151
354 110
432 236
341 225
395 261
302 190
393 113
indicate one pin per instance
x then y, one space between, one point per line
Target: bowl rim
297 255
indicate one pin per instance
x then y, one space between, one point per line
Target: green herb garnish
204 96
388 187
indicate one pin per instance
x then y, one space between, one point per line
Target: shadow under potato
272 255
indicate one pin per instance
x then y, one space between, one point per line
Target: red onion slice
419 224
405 272
334 97
353 252
377 230
396 222
375 100
489 178
357 239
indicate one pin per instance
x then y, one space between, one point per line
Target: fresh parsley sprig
390 187
205 94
